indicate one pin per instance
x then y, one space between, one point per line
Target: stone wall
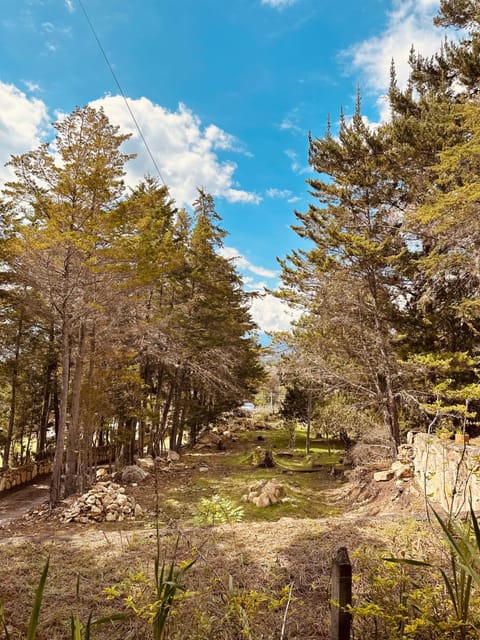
10 478
447 473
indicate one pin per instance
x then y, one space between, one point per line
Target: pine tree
350 283
63 204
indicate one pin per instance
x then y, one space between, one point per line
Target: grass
243 572
231 473
259 560
120 549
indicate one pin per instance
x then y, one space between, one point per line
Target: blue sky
225 94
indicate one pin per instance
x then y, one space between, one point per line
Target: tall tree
349 283
63 200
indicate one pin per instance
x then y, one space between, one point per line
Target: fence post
341 596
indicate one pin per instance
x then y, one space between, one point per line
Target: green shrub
217 510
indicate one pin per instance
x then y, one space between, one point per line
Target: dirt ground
245 572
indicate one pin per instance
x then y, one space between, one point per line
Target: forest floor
266 576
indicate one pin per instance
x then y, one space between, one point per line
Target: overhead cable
122 93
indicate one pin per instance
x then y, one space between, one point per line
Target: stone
178 466
133 473
261 501
173 456
147 463
404 471
105 501
209 439
265 492
383 476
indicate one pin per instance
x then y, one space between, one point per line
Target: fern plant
217 510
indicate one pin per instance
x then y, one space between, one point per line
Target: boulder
173 456
133 473
147 463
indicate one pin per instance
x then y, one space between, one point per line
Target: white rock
121 499
262 501
383 476
147 463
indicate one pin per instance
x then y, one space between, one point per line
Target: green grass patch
305 493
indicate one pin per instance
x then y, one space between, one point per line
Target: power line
117 82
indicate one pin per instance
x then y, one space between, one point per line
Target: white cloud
69 5
31 86
409 23
296 166
272 314
282 194
291 122
278 4
278 193
268 312
184 151
242 263
23 124
48 27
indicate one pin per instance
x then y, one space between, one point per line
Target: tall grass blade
33 624
3 623
75 627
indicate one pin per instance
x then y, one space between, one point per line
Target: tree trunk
50 367
181 425
73 440
155 428
55 482
309 422
128 438
13 396
160 434
177 411
389 410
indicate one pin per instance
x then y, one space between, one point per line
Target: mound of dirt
363 496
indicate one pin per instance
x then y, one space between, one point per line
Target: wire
117 82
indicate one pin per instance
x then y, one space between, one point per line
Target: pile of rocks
214 439
402 469
265 492
105 501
